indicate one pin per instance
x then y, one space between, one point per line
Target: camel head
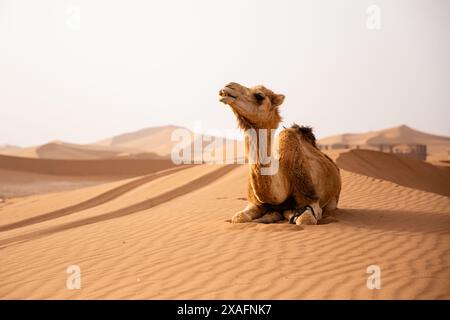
255 107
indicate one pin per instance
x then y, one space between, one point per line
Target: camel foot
303 216
241 217
306 218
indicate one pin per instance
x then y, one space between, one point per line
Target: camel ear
277 99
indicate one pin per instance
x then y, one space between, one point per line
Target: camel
307 182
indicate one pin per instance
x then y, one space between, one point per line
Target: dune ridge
95 201
109 167
399 169
69 151
400 134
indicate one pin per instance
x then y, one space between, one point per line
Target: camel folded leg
270 217
250 213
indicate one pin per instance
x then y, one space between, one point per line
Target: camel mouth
225 93
227 96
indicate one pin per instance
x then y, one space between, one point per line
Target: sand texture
165 234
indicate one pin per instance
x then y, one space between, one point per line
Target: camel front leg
248 214
310 214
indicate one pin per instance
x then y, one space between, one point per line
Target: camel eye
259 97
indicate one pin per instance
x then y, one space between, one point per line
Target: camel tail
306 133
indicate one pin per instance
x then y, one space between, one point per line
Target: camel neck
258 147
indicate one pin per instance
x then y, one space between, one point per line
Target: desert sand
165 234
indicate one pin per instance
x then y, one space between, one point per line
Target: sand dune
149 143
70 151
60 150
158 140
401 170
110 167
165 235
155 139
397 135
157 143
152 142
6 147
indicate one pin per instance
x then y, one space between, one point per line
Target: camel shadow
394 220
370 219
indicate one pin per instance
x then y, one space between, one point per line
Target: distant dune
63 150
156 140
397 135
6 147
149 143
153 143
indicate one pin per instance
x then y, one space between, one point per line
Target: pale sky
80 71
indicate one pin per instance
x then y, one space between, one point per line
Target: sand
165 235
15 184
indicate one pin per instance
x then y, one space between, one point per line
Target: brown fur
306 132
306 176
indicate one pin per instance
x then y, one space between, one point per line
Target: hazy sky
80 71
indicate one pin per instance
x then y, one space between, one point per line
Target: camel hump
306 132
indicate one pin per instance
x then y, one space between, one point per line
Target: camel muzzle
228 95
